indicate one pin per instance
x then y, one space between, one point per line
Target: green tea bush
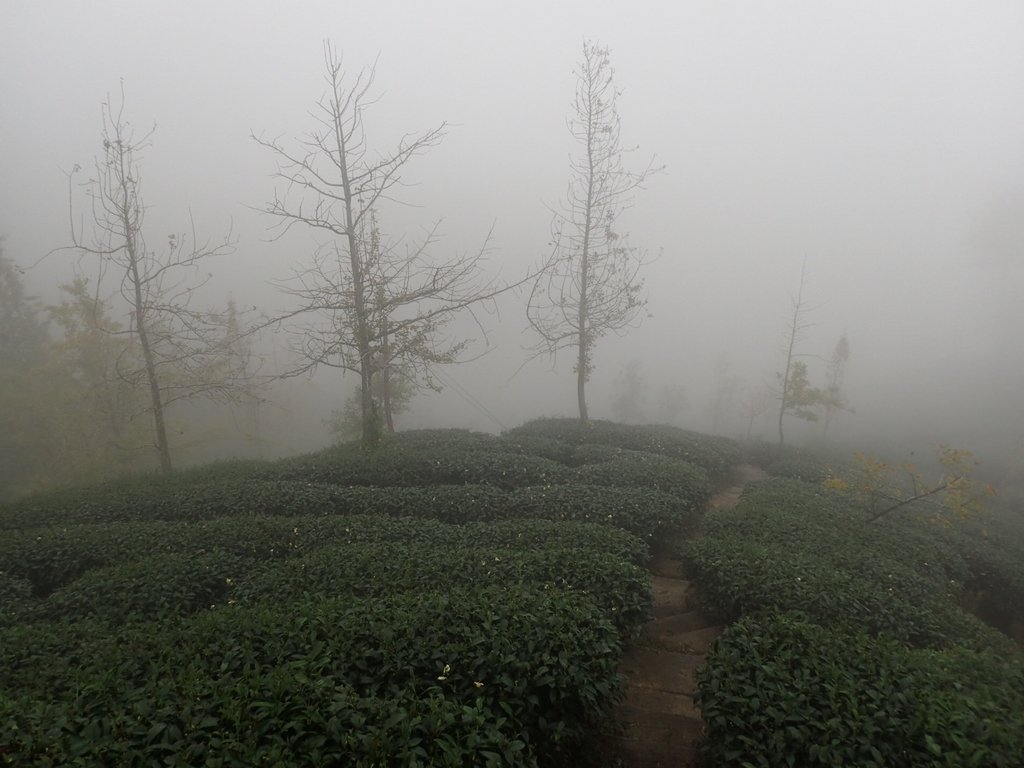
493 676
442 440
620 588
535 445
386 466
594 453
687 482
649 514
156 587
781 690
808 469
577 535
45 560
15 599
175 501
792 546
716 455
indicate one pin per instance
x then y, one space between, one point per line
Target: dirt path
661 726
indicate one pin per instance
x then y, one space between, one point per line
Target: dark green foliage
400 465
781 690
794 462
716 455
494 677
621 589
587 453
157 587
789 545
807 469
449 598
158 569
880 668
546 447
15 599
169 501
685 481
650 514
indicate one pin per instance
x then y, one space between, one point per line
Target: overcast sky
882 142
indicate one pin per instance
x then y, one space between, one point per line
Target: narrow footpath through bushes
661 726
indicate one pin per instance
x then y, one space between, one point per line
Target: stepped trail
661 726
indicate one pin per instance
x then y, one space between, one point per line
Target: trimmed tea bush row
148 570
781 690
161 586
716 455
45 559
643 511
411 465
792 546
620 589
498 676
850 648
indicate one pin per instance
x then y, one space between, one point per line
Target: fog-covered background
881 143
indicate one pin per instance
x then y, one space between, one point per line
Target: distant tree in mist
796 395
672 404
181 349
94 408
833 397
591 283
66 416
725 390
23 347
394 393
362 305
754 404
629 399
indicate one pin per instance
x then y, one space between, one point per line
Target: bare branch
590 284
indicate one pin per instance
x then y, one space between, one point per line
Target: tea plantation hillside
461 599
858 643
449 599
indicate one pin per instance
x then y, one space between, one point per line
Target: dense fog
874 147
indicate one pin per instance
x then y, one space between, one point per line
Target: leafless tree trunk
795 330
591 283
182 349
361 305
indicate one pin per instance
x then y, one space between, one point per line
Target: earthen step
665 734
667 628
664 564
640 699
642 755
696 641
672 596
661 670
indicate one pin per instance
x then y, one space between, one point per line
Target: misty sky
883 142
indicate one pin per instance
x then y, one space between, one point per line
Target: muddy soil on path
661 726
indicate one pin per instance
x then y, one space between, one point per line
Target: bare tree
591 283
362 305
181 349
796 395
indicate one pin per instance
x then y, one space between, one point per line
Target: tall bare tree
796 395
363 305
591 283
181 348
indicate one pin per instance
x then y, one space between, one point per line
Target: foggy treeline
803 237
